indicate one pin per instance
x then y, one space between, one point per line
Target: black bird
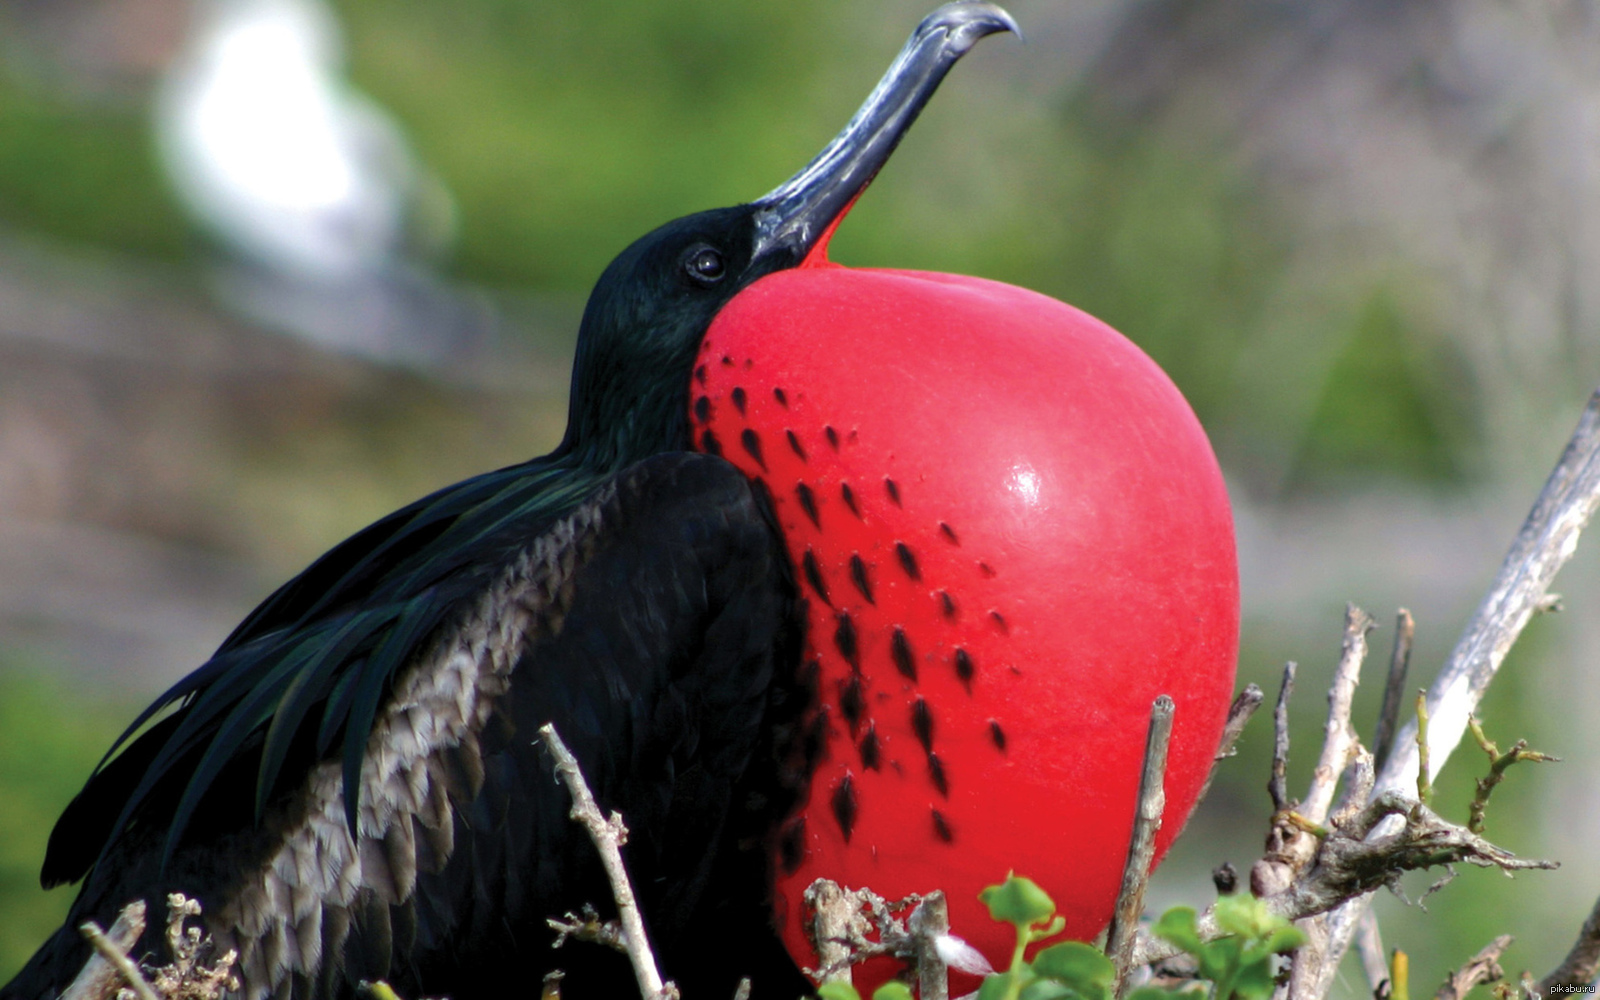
351 785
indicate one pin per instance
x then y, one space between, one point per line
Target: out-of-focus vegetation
563 131
50 736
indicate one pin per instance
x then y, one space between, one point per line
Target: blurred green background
1358 238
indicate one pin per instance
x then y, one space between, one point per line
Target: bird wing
653 621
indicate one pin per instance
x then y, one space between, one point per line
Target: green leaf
1151 993
1177 926
837 990
1254 981
1246 916
892 990
1045 989
1017 901
998 986
1080 966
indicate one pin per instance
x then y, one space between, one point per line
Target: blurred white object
307 184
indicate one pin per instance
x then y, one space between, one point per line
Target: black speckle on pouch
858 576
999 621
964 667
781 397
792 845
849 496
808 503
908 560
727 361
998 735
936 773
794 444
922 723
947 604
813 574
844 637
844 805
700 374
985 569
752 444
893 488
900 650
702 409
870 758
833 437
941 828
739 399
851 703
949 533
709 443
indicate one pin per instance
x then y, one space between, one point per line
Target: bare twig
1424 768
1484 968
1499 763
1405 628
98 976
1240 713
108 950
1340 740
1142 843
928 923
1546 541
588 927
1582 962
1340 748
1352 862
1278 786
1369 946
609 834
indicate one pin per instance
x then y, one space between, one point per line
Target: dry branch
99 976
1582 962
1394 689
1142 843
609 834
1543 545
1350 863
1483 968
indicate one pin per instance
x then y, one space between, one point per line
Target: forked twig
1547 539
125 966
99 974
609 834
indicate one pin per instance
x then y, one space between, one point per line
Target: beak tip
966 21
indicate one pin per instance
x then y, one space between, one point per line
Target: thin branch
929 922
1582 962
1484 968
1240 713
1352 862
1278 784
1394 691
1369 946
100 973
1142 844
1340 739
609 834
1546 541
108 950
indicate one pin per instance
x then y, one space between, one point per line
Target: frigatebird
351 784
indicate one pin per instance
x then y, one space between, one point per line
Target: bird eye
704 264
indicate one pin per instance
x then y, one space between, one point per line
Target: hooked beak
796 217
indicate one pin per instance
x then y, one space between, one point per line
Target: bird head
650 310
